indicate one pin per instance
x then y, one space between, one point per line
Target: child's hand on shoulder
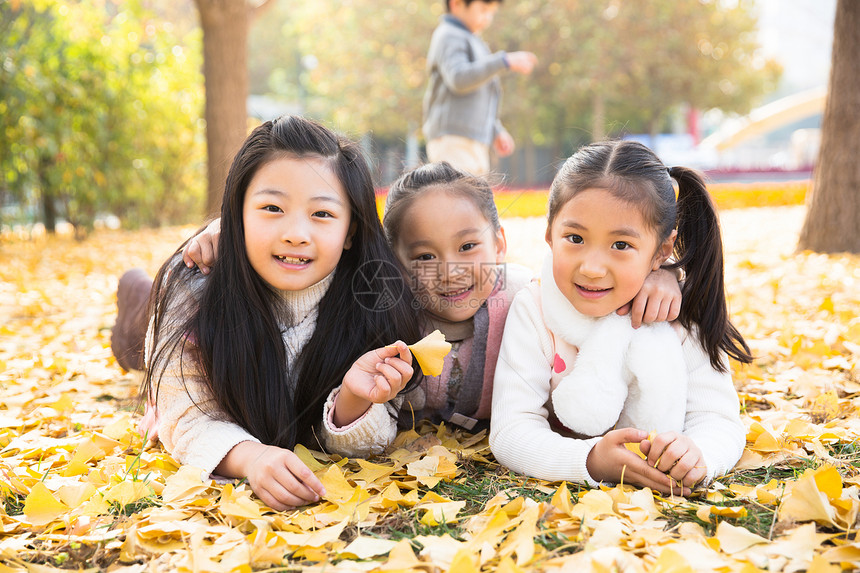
677 456
610 460
202 249
658 300
376 377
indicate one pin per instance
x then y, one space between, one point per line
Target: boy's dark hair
633 173
234 333
440 175
448 3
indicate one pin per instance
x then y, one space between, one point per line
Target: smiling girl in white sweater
574 381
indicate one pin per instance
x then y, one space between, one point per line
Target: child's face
297 222
477 16
452 252
602 251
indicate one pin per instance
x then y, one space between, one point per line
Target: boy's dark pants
129 332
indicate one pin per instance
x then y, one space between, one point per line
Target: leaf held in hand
430 353
634 446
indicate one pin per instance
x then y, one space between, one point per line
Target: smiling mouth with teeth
456 292
592 289
292 260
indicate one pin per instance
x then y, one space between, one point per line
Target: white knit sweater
197 439
521 437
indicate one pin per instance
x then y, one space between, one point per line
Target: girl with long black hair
291 337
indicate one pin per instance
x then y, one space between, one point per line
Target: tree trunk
833 220
225 68
49 199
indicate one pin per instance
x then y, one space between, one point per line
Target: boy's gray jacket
463 95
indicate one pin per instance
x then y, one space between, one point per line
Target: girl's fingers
285 498
654 311
658 445
293 491
637 311
663 311
389 351
390 373
402 367
207 253
381 391
674 309
303 473
186 258
401 349
690 468
271 501
216 236
640 467
658 482
298 487
695 475
614 440
625 435
672 455
191 254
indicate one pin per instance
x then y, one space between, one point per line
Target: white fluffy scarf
622 376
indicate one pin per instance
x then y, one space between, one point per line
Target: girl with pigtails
575 382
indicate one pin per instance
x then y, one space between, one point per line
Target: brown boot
129 332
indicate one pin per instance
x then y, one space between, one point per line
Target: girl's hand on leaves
658 300
610 460
278 477
677 456
202 249
376 377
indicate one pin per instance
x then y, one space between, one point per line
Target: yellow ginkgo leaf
41 507
430 353
634 446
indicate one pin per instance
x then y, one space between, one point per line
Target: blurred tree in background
605 67
101 100
369 59
99 113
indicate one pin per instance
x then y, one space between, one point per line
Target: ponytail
699 251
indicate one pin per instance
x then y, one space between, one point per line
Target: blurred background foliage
101 100
100 107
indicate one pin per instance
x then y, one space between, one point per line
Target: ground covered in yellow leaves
77 491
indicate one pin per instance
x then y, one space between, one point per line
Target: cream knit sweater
197 439
521 437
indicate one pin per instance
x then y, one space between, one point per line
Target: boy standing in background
461 105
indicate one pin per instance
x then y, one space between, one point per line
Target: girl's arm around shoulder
520 434
713 413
